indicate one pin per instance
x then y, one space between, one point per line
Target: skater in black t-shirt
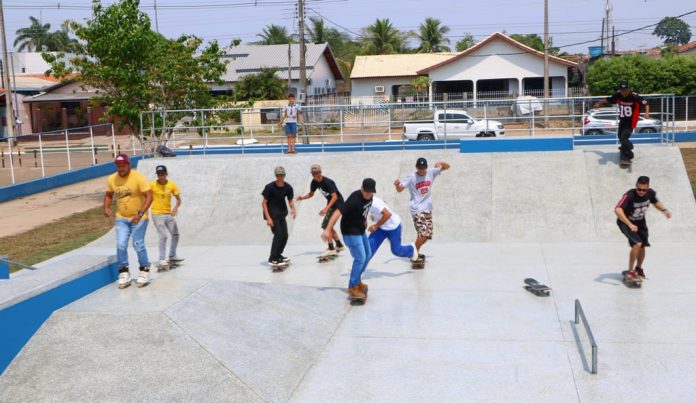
353 225
629 110
274 212
334 199
631 211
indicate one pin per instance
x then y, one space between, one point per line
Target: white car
452 124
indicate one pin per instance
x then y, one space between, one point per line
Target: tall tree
319 33
274 35
382 38
262 85
673 31
465 43
61 41
135 68
34 38
535 42
431 35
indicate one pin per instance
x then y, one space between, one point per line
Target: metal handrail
579 313
14 263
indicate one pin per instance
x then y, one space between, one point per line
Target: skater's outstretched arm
399 187
442 166
663 209
305 197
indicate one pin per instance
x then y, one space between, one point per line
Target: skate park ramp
224 328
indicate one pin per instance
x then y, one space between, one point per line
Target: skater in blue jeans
353 214
387 224
133 199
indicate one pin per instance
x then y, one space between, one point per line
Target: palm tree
465 43
34 38
432 36
274 35
61 41
319 33
382 38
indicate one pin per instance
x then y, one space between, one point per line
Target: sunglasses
641 190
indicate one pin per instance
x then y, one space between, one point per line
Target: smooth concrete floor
223 327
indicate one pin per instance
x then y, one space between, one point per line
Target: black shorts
640 236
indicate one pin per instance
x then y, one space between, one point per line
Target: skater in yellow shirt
164 217
133 199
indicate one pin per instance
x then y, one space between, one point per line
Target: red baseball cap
122 159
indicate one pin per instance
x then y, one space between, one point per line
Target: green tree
263 85
319 33
382 38
431 35
535 42
61 41
646 75
274 35
34 38
673 31
465 43
136 69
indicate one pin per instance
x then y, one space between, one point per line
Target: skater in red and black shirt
629 110
631 211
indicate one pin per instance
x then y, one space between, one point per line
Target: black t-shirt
354 214
275 196
629 107
635 206
326 187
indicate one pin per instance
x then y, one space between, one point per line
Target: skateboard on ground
324 259
624 163
631 283
168 266
536 288
357 301
419 263
279 267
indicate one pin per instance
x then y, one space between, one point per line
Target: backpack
165 151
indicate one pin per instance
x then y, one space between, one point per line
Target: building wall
33 63
365 87
320 74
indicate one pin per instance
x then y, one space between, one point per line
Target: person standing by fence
292 116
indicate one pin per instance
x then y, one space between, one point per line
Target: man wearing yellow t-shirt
133 199
163 216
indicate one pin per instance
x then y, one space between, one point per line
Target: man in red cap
133 199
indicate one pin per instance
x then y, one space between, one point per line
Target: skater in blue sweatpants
387 224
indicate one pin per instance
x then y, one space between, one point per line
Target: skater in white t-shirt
387 224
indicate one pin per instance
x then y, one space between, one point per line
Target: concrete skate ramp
553 196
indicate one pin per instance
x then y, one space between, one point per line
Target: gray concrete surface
224 328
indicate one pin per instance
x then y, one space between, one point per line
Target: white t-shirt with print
291 112
376 214
420 188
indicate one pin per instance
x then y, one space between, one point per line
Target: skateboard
168 266
357 301
419 263
279 267
631 283
625 163
536 288
324 259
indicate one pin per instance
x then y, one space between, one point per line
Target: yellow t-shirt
162 196
129 192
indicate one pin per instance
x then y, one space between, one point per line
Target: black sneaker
284 259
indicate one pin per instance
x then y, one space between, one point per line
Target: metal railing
580 314
6 263
37 155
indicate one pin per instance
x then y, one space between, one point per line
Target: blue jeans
397 249
359 247
124 229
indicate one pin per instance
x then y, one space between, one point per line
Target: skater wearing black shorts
631 211
629 110
274 212
334 200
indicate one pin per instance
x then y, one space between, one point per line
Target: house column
475 91
430 94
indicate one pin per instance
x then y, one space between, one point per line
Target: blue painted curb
515 144
19 322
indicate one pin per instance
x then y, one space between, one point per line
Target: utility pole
289 67
607 27
6 79
546 61
156 19
303 67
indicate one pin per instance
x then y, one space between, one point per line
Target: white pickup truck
452 124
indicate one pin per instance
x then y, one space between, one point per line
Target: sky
571 22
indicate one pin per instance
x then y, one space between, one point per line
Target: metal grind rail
579 313
5 264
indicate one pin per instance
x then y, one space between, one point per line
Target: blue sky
570 21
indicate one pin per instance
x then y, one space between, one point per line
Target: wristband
140 214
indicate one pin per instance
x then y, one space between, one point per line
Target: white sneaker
143 279
414 257
163 265
176 259
124 279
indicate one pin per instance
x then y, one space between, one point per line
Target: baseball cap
122 159
623 85
421 163
315 168
369 185
161 169
279 170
